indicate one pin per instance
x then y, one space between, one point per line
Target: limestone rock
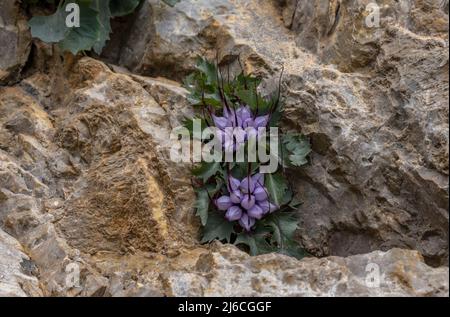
166 41
15 40
128 185
88 189
17 271
93 173
379 173
373 100
226 271
351 33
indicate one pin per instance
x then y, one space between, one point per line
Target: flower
240 118
248 201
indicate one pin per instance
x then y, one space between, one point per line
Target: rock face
229 272
93 174
370 91
15 40
91 204
16 270
379 128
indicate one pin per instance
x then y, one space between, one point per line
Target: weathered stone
379 173
15 40
17 272
372 99
122 134
351 33
87 185
226 271
166 41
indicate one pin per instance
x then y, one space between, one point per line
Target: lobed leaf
207 170
84 37
50 29
217 227
277 188
256 241
201 205
295 148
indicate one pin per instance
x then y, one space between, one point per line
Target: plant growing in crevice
235 202
94 27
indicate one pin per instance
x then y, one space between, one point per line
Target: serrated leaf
256 241
189 124
217 227
296 147
202 205
122 7
283 226
277 187
104 15
84 37
171 2
239 170
253 100
207 170
50 29
213 100
209 70
294 204
277 112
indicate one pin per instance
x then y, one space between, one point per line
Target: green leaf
254 100
239 170
104 15
94 27
217 227
213 99
84 37
202 205
277 111
296 148
256 241
171 2
292 248
295 203
209 70
52 28
122 7
277 187
283 226
207 170
189 124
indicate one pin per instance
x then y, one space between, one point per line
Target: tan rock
229 272
87 186
15 41
372 100
17 272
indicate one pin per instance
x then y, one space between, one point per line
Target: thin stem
243 72
249 171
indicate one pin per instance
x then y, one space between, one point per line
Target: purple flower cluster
247 201
239 118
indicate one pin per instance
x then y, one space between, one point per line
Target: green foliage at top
94 29
209 87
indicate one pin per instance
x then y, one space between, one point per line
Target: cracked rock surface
87 185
